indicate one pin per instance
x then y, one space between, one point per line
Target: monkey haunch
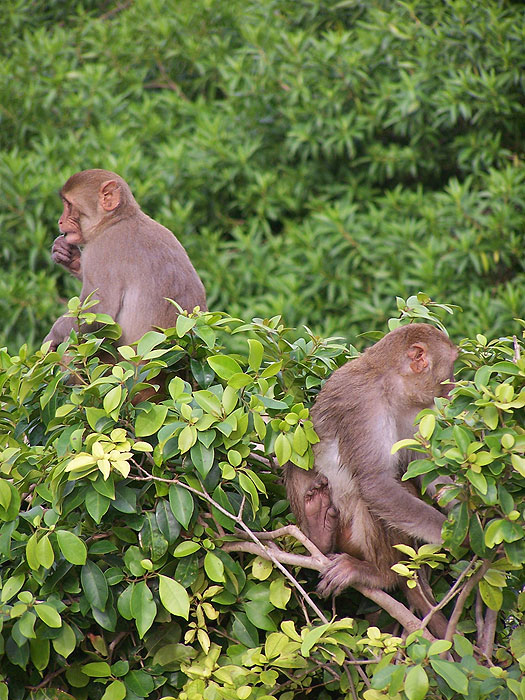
353 501
132 263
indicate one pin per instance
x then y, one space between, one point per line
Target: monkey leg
321 517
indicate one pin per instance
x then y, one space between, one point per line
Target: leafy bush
316 159
136 559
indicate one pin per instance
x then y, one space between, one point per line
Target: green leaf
140 683
224 366
5 494
477 480
112 399
151 539
184 549
257 612
492 596
173 597
439 647
416 682
166 521
115 691
149 421
72 547
202 458
124 602
26 625
184 324
39 653
12 510
214 567
181 503
66 641
476 536
279 594
283 449
312 637
426 428
97 669
94 585
44 552
451 674
31 552
149 341
494 533
187 438
11 587
208 402
97 505
143 607
272 369
517 642
255 354
48 615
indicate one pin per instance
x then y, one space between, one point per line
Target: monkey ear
109 195
417 352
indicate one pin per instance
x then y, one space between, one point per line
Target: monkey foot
322 518
344 571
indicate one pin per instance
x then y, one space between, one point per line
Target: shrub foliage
134 556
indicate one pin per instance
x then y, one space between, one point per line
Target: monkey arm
396 505
60 330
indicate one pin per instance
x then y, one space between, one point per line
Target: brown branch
111 648
486 639
462 598
46 680
448 596
480 622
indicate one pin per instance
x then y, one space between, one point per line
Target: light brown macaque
353 500
130 262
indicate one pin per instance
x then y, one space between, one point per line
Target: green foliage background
315 158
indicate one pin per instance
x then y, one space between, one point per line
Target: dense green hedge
131 554
315 158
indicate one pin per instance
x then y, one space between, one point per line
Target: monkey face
69 222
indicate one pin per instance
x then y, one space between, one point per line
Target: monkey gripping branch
148 550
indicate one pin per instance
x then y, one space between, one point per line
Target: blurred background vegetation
315 158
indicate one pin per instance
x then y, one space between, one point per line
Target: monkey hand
66 255
337 576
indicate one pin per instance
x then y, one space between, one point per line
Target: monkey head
90 199
422 361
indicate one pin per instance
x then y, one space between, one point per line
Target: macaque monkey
353 500
130 262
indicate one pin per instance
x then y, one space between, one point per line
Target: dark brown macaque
131 262
353 500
